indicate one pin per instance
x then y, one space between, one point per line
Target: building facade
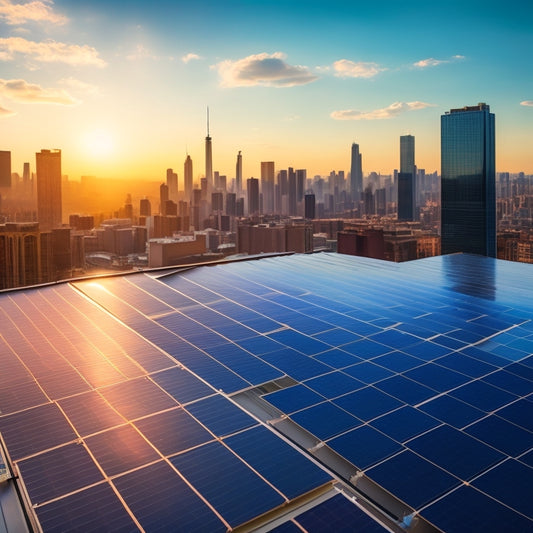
407 179
49 207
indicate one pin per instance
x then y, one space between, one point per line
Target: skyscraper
48 166
407 179
5 169
468 189
187 178
356 174
208 157
267 186
172 184
252 185
238 173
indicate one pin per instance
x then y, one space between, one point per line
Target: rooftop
313 393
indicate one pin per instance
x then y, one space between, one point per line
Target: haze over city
122 88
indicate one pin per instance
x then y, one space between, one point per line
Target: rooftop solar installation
298 393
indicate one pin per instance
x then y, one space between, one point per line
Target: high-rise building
5 169
407 179
208 157
172 184
48 165
267 186
238 174
356 174
252 185
310 206
187 178
468 182
163 197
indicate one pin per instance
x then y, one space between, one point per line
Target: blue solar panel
395 339
368 403
93 510
366 348
364 446
510 382
233 489
483 396
466 365
293 399
437 377
519 413
337 358
454 451
368 372
334 384
296 365
452 411
412 479
168 504
337 336
280 464
467 509
405 389
398 361
220 416
303 343
182 385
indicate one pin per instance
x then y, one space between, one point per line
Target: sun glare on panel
98 143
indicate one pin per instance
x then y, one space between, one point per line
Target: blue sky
122 87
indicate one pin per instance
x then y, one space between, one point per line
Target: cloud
50 52
78 85
432 62
379 114
141 52
190 57
527 103
22 91
4 113
349 69
37 11
269 70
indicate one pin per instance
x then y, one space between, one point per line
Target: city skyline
122 89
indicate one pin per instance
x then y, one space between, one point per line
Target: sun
99 143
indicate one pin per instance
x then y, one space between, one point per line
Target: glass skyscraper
468 191
407 179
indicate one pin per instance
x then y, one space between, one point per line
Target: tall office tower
5 169
292 192
172 184
267 186
26 176
238 174
231 199
145 208
310 206
468 190
208 157
187 178
407 179
163 197
48 166
301 177
356 174
252 185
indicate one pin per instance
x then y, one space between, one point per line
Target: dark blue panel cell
325 420
395 339
366 348
404 423
338 515
412 479
334 384
278 462
452 411
35 430
483 396
467 509
234 490
448 342
368 372
120 449
437 377
303 343
455 451
293 398
519 413
510 382
137 397
405 389
337 337
220 416
173 431
260 345
502 435
523 371
466 365
182 385
485 356
398 361
94 510
295 364
71 464
368 403
364 446
162 501
337 358
512 354
527 459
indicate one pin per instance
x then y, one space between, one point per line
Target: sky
122 87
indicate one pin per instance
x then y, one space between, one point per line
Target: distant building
265 238
310 206
187 178
208 157
49 208
238 173
267 186
5 169
356 174
168 252
252 185
468 190
407 179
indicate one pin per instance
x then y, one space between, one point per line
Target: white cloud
50 52
269 70
349 69
527 103
379 114
78 85
4 113
36 11
432 62
190 57
22 91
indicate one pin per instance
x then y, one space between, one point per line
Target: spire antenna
208 121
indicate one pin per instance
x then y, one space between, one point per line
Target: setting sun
98 142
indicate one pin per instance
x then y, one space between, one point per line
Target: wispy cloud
81 86
379 114
344 68
37 11
50 52
4 113
270 70
190 57
22 91
141 52
432 62
527 103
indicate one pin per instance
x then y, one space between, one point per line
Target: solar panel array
121 394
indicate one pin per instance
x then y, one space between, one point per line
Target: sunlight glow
99 143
